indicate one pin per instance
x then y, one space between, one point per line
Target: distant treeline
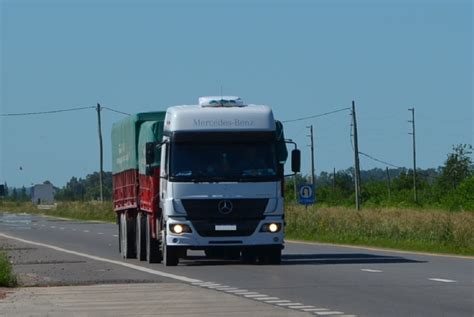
76 189
450 186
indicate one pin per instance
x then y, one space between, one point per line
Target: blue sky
299 57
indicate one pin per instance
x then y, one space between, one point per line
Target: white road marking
314 309
115 235
328 313
62 228
442 280
86 231
74 229
211 285
277 301
255 295
227 288
288 304
247 293
100 233
266 298
97 258
301 307
202 283
237 291
52 227
371 270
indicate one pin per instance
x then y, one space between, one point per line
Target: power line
378 160
316 115
43 112
128 114
116 111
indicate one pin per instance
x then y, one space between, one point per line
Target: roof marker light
221 101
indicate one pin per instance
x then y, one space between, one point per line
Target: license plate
226 227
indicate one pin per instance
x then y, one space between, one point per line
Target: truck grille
205 214
209 209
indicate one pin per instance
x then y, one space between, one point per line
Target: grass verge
7 278
415 230
74 210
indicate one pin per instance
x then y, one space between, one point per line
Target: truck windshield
217 162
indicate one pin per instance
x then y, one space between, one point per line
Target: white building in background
43 194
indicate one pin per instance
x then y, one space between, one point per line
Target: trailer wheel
170 254
119 226
153 251
141 236
128 245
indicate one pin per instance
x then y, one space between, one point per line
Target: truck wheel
128 245
141 236
153 252
119 225
170 254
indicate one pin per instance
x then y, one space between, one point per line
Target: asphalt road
319 279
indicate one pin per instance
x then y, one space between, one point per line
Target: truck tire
170 254
141 236
128 245
153 251
119 226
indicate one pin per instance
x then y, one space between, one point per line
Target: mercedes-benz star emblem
225 207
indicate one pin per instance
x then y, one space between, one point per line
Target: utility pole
356 158
415 192
101 172
312 155
389 185
334 179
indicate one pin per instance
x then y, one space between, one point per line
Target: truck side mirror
150 152
295 160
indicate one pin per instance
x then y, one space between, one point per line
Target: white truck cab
221 181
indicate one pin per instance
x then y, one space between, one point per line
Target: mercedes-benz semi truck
201 177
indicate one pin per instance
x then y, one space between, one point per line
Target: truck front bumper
193 240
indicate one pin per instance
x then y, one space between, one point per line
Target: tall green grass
420 230
7 277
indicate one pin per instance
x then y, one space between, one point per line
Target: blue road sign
306 194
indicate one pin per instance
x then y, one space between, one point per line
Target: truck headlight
179 228
271 227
